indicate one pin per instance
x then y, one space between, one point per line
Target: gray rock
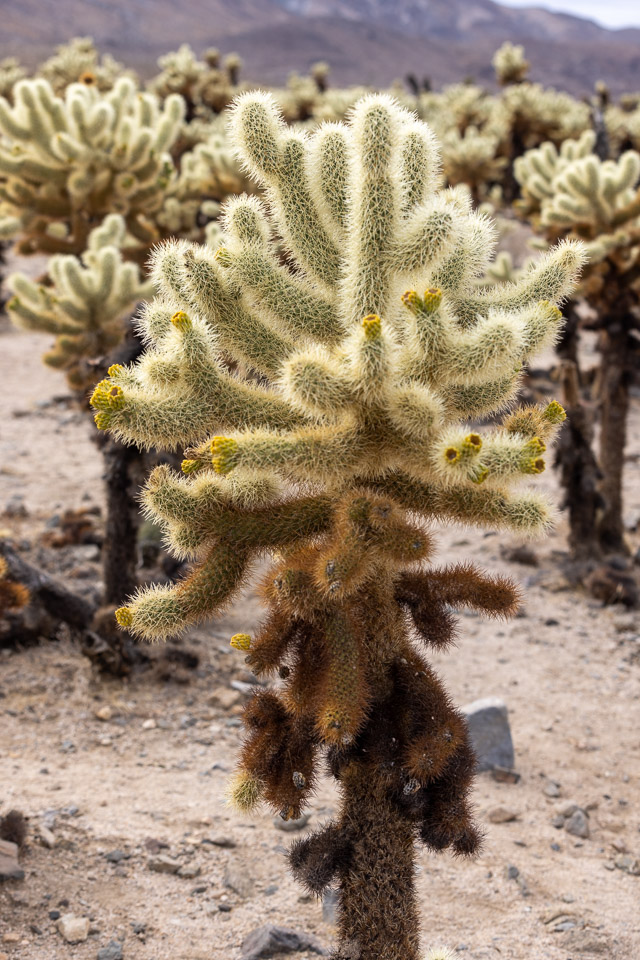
578 824
190 871
270 940
220 840
10 869
290 826
113 951
628 863
163 864
490 733
237 879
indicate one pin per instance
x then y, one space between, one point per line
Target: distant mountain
364 41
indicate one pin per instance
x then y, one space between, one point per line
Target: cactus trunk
378 916
616 350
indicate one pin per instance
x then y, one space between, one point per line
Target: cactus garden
319 514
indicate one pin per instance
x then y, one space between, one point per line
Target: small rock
502 815
224 697
270 940
238 880
54 914
73 929
221 840
503 775
163 864
104 713
10 869
11 937
290 826
149 724
113 951
567 809
190 871
47 838
490 733
578 824
552 789
115 856
512 872
558 822
628 863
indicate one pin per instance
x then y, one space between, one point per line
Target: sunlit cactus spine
337 437
571 194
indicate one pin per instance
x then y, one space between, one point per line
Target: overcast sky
616 13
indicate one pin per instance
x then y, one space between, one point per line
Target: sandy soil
154 773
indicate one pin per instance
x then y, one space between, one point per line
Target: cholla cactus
345 437
79 62
473 159
65 163
510 64
538 169
203 84
599 201
11 71
85 305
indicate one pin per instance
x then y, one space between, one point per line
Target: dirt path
114 790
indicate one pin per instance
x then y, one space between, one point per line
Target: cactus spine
341 437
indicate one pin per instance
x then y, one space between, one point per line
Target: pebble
149 724
290 826
47 838
104 713
224 697
628 864
11 937
115 856
270 940
552 789
238 880
10 869
502 815
73 929
190 871
578 824
113 951
221 840
490 733
163 864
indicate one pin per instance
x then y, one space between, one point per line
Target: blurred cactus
575 194
85 305
341 434
66 163
11 71
204 85
510 64
79 62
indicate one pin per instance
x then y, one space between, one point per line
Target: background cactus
342 433
86 303
573 193
65 163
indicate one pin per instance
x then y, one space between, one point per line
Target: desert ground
122 779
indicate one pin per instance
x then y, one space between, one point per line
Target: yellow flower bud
452 454
432 299
181 320
372 326
554 412
222 451
241 641
124 616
